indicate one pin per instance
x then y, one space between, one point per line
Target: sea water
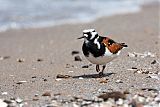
16 14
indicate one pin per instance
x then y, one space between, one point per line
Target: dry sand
37 56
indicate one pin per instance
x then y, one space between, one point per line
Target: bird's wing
92 48
113 46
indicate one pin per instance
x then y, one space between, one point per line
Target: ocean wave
17 14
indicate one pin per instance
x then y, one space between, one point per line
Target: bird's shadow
93 75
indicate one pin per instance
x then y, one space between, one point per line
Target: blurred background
15 14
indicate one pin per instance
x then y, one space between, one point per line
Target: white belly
102 60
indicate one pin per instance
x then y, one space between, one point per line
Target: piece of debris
153 62
81 78
34 77
21 82
115 95
150 89
47 94
85 66
142 55
75 52
77 58
104 81
134 68
20 60
63 76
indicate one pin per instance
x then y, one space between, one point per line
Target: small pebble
77 58
85 66
75 52
39 59
44 79
20 60
46 94
63 76
104 81
153 62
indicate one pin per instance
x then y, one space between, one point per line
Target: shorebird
100 50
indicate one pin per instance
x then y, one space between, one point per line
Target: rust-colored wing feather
113 46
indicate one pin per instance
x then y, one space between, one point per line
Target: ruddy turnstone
100 50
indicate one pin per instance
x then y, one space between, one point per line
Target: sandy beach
31 59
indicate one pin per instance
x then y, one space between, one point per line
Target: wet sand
30 60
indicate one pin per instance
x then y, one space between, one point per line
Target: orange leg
101 73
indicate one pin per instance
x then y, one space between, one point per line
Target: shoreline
85 22
31 59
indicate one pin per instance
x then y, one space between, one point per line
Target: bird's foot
101 74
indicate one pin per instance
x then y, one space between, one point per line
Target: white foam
39 13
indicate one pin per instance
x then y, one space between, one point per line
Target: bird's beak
81 37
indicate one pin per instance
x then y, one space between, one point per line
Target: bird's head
89 34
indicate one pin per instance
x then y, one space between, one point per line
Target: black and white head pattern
90 34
